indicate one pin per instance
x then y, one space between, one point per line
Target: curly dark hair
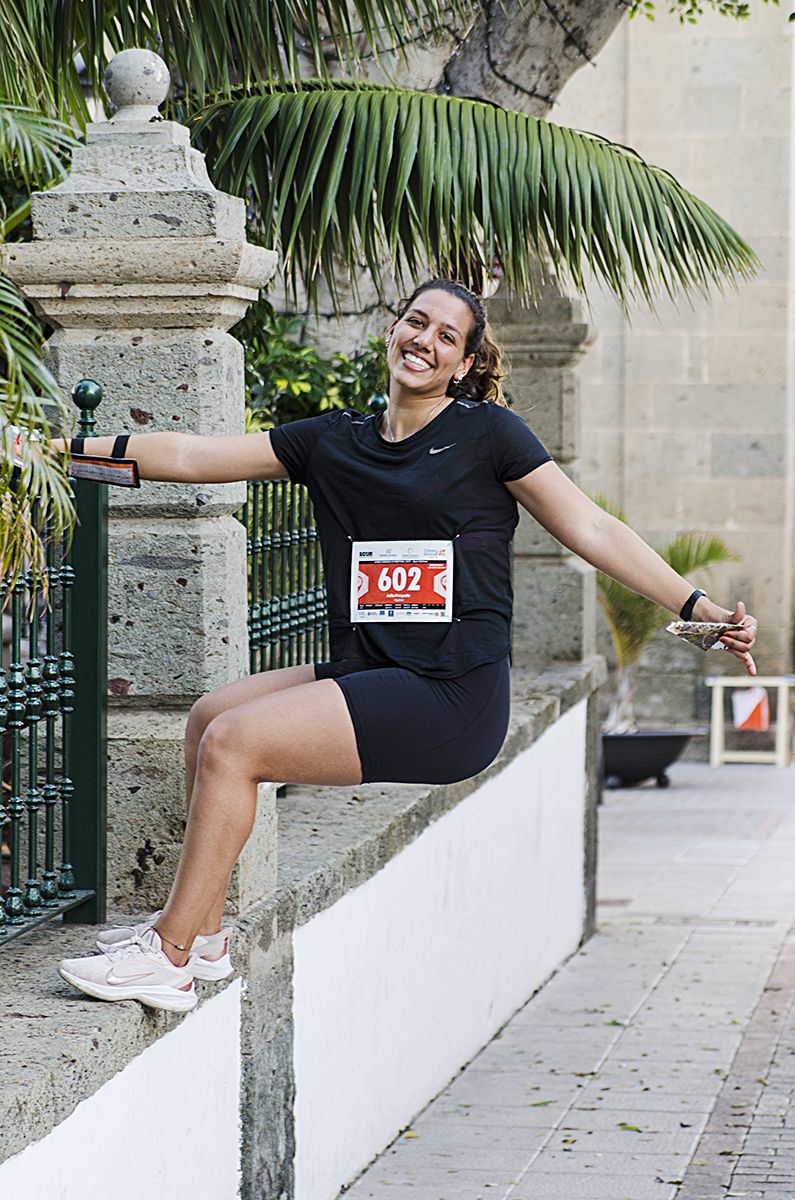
483 381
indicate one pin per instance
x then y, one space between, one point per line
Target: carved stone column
142 265
554 614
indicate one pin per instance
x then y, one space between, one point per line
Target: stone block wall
141 266
687 415
554 592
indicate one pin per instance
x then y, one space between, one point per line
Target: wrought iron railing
36 705
52 706
287 595
53 687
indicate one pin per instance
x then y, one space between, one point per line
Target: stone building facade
687 415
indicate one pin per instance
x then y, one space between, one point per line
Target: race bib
402 581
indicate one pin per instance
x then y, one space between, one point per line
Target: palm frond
214 46
23 376
33 147
22 542
26 386
632 619
689 551
345 171
26 79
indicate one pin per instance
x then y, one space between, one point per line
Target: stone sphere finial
137 82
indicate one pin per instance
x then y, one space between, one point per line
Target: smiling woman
416 509
447 342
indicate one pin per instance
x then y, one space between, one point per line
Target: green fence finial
87 395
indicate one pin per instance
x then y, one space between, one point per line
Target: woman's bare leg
229 695
303 734
220 700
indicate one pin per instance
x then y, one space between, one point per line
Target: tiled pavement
659 1063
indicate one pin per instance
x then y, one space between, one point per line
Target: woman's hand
739 641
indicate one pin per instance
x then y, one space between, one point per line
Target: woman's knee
202 712
219 748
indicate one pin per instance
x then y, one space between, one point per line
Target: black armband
113 468
689 604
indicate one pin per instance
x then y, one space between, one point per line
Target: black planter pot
631 758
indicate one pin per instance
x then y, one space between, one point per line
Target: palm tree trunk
621 718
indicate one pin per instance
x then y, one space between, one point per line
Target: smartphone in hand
704 634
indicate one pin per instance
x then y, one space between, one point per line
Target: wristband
76 445
689 604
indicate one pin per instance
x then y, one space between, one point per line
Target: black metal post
88 727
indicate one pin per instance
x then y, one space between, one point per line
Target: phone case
704 634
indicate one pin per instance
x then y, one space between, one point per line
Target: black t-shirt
446 482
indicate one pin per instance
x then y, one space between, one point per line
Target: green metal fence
287 615
53 687
52 714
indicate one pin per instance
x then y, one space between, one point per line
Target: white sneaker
213 969
119 935
137 970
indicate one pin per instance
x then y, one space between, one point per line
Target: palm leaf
632 619
33 151
28 78
25 77
214 46
461 186
26 386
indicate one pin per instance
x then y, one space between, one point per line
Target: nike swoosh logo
111 978
439 449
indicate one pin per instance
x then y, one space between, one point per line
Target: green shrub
286 380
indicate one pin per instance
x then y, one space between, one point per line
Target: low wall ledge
333 839
61 1047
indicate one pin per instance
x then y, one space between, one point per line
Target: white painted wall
168 1125
403 980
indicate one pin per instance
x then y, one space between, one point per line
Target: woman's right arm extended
188 458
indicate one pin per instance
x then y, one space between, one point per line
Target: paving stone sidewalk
659 1062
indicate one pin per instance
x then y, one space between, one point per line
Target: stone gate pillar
554 614
142 266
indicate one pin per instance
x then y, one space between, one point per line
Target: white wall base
403 980
168 1125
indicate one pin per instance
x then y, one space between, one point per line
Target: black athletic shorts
414 728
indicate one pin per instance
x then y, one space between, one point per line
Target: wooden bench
782 755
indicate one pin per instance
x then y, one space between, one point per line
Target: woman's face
427 346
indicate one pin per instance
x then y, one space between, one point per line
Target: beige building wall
688 414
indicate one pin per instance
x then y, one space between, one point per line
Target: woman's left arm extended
611 546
